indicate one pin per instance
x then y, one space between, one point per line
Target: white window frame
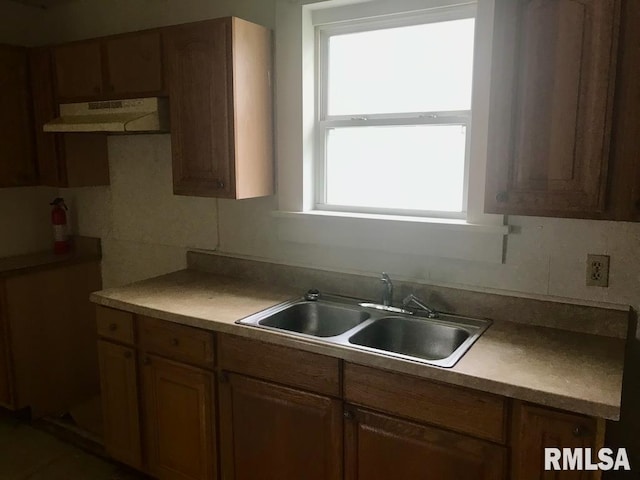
325 122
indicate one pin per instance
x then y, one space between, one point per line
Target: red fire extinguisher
61 242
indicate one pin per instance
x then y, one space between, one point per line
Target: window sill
432 237
431 222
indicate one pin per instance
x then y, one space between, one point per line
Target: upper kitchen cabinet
17 153
553 80
219 76
63 160
124 66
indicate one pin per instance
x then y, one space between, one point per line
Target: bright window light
415 167
422 68
394 117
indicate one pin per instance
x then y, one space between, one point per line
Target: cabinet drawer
115 324
479 414
288 366
187 344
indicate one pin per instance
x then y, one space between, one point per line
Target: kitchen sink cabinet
279 412
380 447
123 66
281 432
179 419
219 76
553 79
18 165
535 428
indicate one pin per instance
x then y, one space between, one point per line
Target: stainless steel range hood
142 115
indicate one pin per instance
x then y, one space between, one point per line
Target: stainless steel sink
319 319
343 321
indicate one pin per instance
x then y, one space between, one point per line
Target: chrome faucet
412 299
387 290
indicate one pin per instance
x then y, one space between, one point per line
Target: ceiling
43 3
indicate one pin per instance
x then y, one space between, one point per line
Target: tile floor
27 453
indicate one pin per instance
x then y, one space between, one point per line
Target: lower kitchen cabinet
280 432
179 420
47 343
380 447
118 380
158 395
282 413
535 428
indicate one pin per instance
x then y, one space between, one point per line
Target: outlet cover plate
597 270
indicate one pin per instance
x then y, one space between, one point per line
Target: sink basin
412 337
316 319
347 323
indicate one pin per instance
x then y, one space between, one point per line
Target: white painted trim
453 224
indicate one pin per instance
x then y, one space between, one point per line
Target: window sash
325 122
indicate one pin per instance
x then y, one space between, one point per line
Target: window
394 112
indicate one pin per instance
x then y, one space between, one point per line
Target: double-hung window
394 113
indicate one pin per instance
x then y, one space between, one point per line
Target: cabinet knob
502 197
348 414
219 184
113 327
127 354
146 361
175 342
580 431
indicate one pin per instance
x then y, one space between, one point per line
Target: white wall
543 256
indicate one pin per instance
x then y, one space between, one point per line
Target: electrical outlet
597 270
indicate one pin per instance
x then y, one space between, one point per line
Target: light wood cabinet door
17 152
179 420
134 64
119 387
536 428
273 432
553 78
78 70
200 93
379 447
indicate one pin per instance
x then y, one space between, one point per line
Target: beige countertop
573 371
86 250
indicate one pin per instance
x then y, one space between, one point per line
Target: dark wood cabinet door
119 387
134 64
278 433
553 77
179 420
17 153
535 428
199 74
78 71
6 390
379 447
44 110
